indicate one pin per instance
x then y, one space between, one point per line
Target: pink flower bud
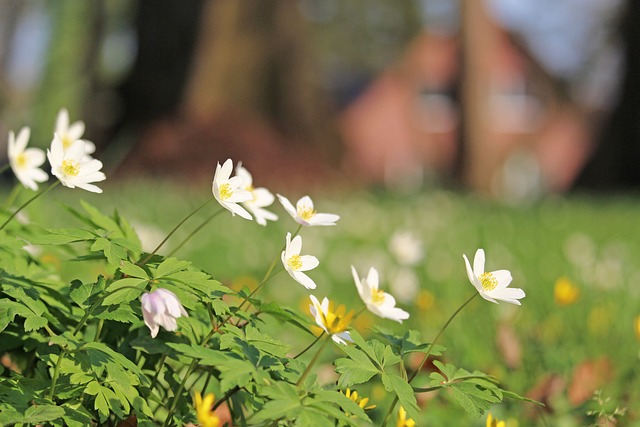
161 308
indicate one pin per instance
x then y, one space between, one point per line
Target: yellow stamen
488 281
295 262
336 321
21 160
225 191
377 296
306 213
71 167
66 142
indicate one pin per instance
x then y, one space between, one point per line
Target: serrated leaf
42 413
265 343
207 356
170 266
357 369
114 253
405 393
343 401
59 236
33 323
122 313
124 290
133 270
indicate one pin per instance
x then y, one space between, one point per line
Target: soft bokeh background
432 127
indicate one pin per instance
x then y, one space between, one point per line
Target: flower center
225 191
295 262
70 167
66 142
377 296
306 213
21 160
336 321
488 281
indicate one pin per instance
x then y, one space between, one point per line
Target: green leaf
265 343
60 236
133 270
343 401
207 356
124 290
170 266
356 369
80 292
403 390
114 253
43 413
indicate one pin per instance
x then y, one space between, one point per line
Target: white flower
261 197
406 247
378 302
334 322
228 191
161 308
25 162
295 263
492 286
73 167
70 133
305 214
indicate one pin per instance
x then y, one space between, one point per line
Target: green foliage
80 353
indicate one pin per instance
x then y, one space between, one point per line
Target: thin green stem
176 396
195 231
56 372
157 374
27 203
309 346
13 195
185 219
313 361
426 356
5 168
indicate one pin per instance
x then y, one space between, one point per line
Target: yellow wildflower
402 420
360 401
206 416
565 292
491 422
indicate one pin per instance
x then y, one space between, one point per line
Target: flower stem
426 356
176 396
12 196
148 257
309 346
27 203
313 361
194 232
56 372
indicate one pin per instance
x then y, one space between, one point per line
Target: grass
594 242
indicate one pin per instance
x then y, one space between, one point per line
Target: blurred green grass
592 241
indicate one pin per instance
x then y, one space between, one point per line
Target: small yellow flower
360 401
491 422
565 292
637 326
206 416
334 322
403 421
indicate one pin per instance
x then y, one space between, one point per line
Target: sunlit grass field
555 350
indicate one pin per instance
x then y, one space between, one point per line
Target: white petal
478 263
225 171
305 203
75 131
309 262
62 121
295 246
303 279
364 294
237 209
472 278
323 219
286 204
504 278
